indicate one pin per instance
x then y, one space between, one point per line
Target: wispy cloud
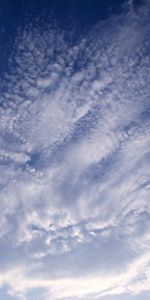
74 154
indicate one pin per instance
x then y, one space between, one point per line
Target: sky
74 150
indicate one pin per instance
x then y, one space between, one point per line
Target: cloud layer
74 159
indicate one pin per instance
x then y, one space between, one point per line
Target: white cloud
74 153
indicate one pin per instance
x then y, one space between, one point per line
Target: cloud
74 147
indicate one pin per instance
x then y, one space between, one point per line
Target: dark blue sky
79 15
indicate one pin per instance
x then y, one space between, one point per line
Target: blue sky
75 150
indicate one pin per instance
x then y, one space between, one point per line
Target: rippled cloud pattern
75 162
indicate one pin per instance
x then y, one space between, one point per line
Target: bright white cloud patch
74 160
